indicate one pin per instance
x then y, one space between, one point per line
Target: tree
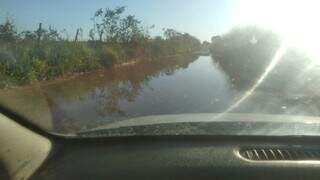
177 42
215 39
29 35
39 33
91 34
205 44
129 29
170 33
51 34
106 23
78 33
8 32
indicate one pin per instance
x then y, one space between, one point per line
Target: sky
201 18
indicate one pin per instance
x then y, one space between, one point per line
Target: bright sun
297 22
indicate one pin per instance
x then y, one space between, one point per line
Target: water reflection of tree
127 83
108 98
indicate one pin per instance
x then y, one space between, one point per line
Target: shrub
57 57
39 69
83 58
7 61
108 56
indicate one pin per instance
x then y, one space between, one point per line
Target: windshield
74 67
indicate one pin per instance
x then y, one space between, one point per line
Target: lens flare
295 21
282 49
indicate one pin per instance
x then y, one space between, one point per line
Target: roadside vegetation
245 53
45 53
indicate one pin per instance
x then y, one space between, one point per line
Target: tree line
44 53
244 54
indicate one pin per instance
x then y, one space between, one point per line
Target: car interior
31 153
156 90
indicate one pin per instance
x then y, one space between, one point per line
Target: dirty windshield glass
71 67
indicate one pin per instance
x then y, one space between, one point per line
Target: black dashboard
28 154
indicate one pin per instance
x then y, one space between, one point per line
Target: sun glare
296 22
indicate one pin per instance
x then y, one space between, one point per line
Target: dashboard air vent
267 154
